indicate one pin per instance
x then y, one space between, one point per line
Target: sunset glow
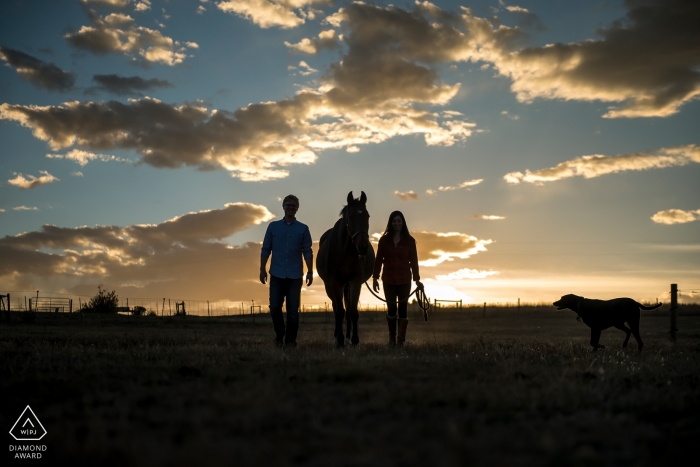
534 151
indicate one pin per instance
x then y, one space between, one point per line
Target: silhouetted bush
139 310
103 302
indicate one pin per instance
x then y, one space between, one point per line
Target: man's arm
309 270
263 269
306 250
265 254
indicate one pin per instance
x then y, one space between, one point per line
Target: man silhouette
288 240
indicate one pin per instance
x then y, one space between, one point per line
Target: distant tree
103 302
139 310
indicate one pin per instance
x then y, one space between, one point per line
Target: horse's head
357 222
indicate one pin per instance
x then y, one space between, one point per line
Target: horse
345 261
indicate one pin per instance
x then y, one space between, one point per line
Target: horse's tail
653 307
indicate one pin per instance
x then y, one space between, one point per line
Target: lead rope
421 298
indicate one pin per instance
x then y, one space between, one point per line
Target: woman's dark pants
289 289
393 293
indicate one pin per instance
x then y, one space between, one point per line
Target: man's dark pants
289 289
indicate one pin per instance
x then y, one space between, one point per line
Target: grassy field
511 388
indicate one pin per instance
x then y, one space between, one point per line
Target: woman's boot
401 338
391 320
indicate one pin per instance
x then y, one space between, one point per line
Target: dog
602 314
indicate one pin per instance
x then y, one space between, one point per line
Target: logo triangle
28 427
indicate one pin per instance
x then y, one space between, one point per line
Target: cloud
25 208
118 33
675 216
487 217
647 62
111 3
465 274
270 13
304 68
328 39
143 5
38 72
384 86
30 181
468 184
2 210
435 247
83 157
132 85
511 116
184 256
597 165
406 196
76 174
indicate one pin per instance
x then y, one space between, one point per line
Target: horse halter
347 227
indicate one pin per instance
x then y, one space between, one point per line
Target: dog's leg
595 338
622 327
634 327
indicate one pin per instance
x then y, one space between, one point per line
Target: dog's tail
653 307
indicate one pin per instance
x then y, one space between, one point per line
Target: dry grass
508 389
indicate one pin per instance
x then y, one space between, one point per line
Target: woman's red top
399 260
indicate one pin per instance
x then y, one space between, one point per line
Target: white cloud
143 5
201 9
25 208
30 181
439 247
76 174
270 13
468 184
326 40
111 3
465 274
597 165
406 196
83 157
487 217
675 216
118 33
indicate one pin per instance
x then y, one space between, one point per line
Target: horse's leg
335 293
348 317
354 289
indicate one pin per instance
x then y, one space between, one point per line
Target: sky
535 148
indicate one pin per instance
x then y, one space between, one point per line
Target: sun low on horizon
535 148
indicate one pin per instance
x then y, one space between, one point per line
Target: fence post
518 305
674 306
484 315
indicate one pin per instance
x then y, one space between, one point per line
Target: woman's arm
378 260
414 262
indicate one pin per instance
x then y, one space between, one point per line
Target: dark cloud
40 73
182 256
648 61
132 85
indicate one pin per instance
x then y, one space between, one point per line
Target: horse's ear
363 198
350 198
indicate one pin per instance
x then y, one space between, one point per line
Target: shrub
139 310
103 302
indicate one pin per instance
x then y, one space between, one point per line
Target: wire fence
66 303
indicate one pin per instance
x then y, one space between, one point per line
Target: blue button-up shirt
287 243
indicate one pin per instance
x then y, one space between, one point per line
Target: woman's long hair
390 230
